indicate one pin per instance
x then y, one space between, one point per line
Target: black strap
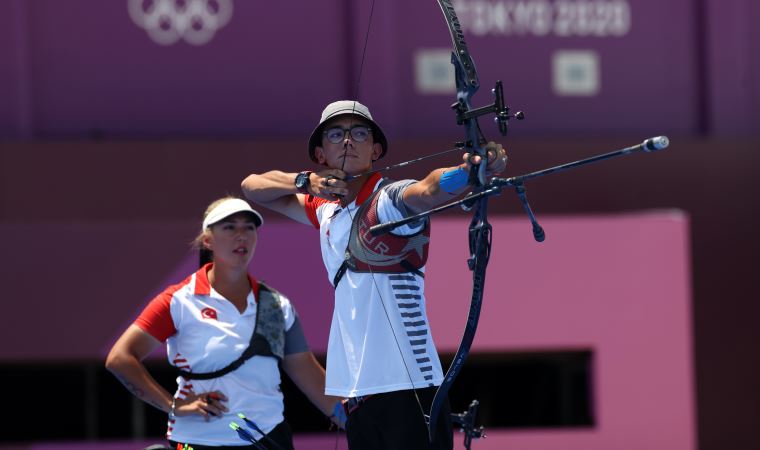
258 345
410 268
339 274
405 264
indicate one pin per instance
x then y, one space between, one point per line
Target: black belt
352 403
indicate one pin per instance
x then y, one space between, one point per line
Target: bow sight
498 107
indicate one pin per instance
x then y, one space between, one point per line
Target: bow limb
480 250
467 83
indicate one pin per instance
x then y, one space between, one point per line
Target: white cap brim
228 208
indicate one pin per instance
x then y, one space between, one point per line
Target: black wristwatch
302 182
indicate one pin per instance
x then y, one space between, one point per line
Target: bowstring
403 164
348 210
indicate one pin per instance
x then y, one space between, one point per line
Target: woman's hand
206 405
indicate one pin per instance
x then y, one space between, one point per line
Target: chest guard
268 338
269 333
387 253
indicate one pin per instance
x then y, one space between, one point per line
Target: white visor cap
228 208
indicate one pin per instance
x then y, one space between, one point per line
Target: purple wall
647 81
619 285
84 68
733 43
93 71
14 77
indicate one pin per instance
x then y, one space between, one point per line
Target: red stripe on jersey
156 318
310 205
202 286
254 287
368 188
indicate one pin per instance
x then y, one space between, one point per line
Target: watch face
302 181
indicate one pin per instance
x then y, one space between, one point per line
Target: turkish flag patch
208 313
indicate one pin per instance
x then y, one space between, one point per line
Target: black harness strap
410 268
339 274
343 267
347 264
258 345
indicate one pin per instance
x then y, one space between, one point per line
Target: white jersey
364 355
205 332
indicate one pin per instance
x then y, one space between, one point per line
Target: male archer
380 354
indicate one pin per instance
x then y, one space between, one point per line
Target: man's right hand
328 184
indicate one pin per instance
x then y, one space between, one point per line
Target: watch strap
302 182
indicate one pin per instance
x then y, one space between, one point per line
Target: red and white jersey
205 332
363 355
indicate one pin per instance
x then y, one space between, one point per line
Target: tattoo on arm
139 393
135 390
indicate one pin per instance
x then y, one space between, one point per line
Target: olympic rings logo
168 21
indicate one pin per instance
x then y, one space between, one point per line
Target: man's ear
377 150
319 153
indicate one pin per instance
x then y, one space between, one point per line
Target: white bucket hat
346 107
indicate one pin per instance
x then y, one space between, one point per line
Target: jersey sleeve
156 318
391 207
295 340
311 205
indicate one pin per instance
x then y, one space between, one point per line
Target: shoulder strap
246 355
